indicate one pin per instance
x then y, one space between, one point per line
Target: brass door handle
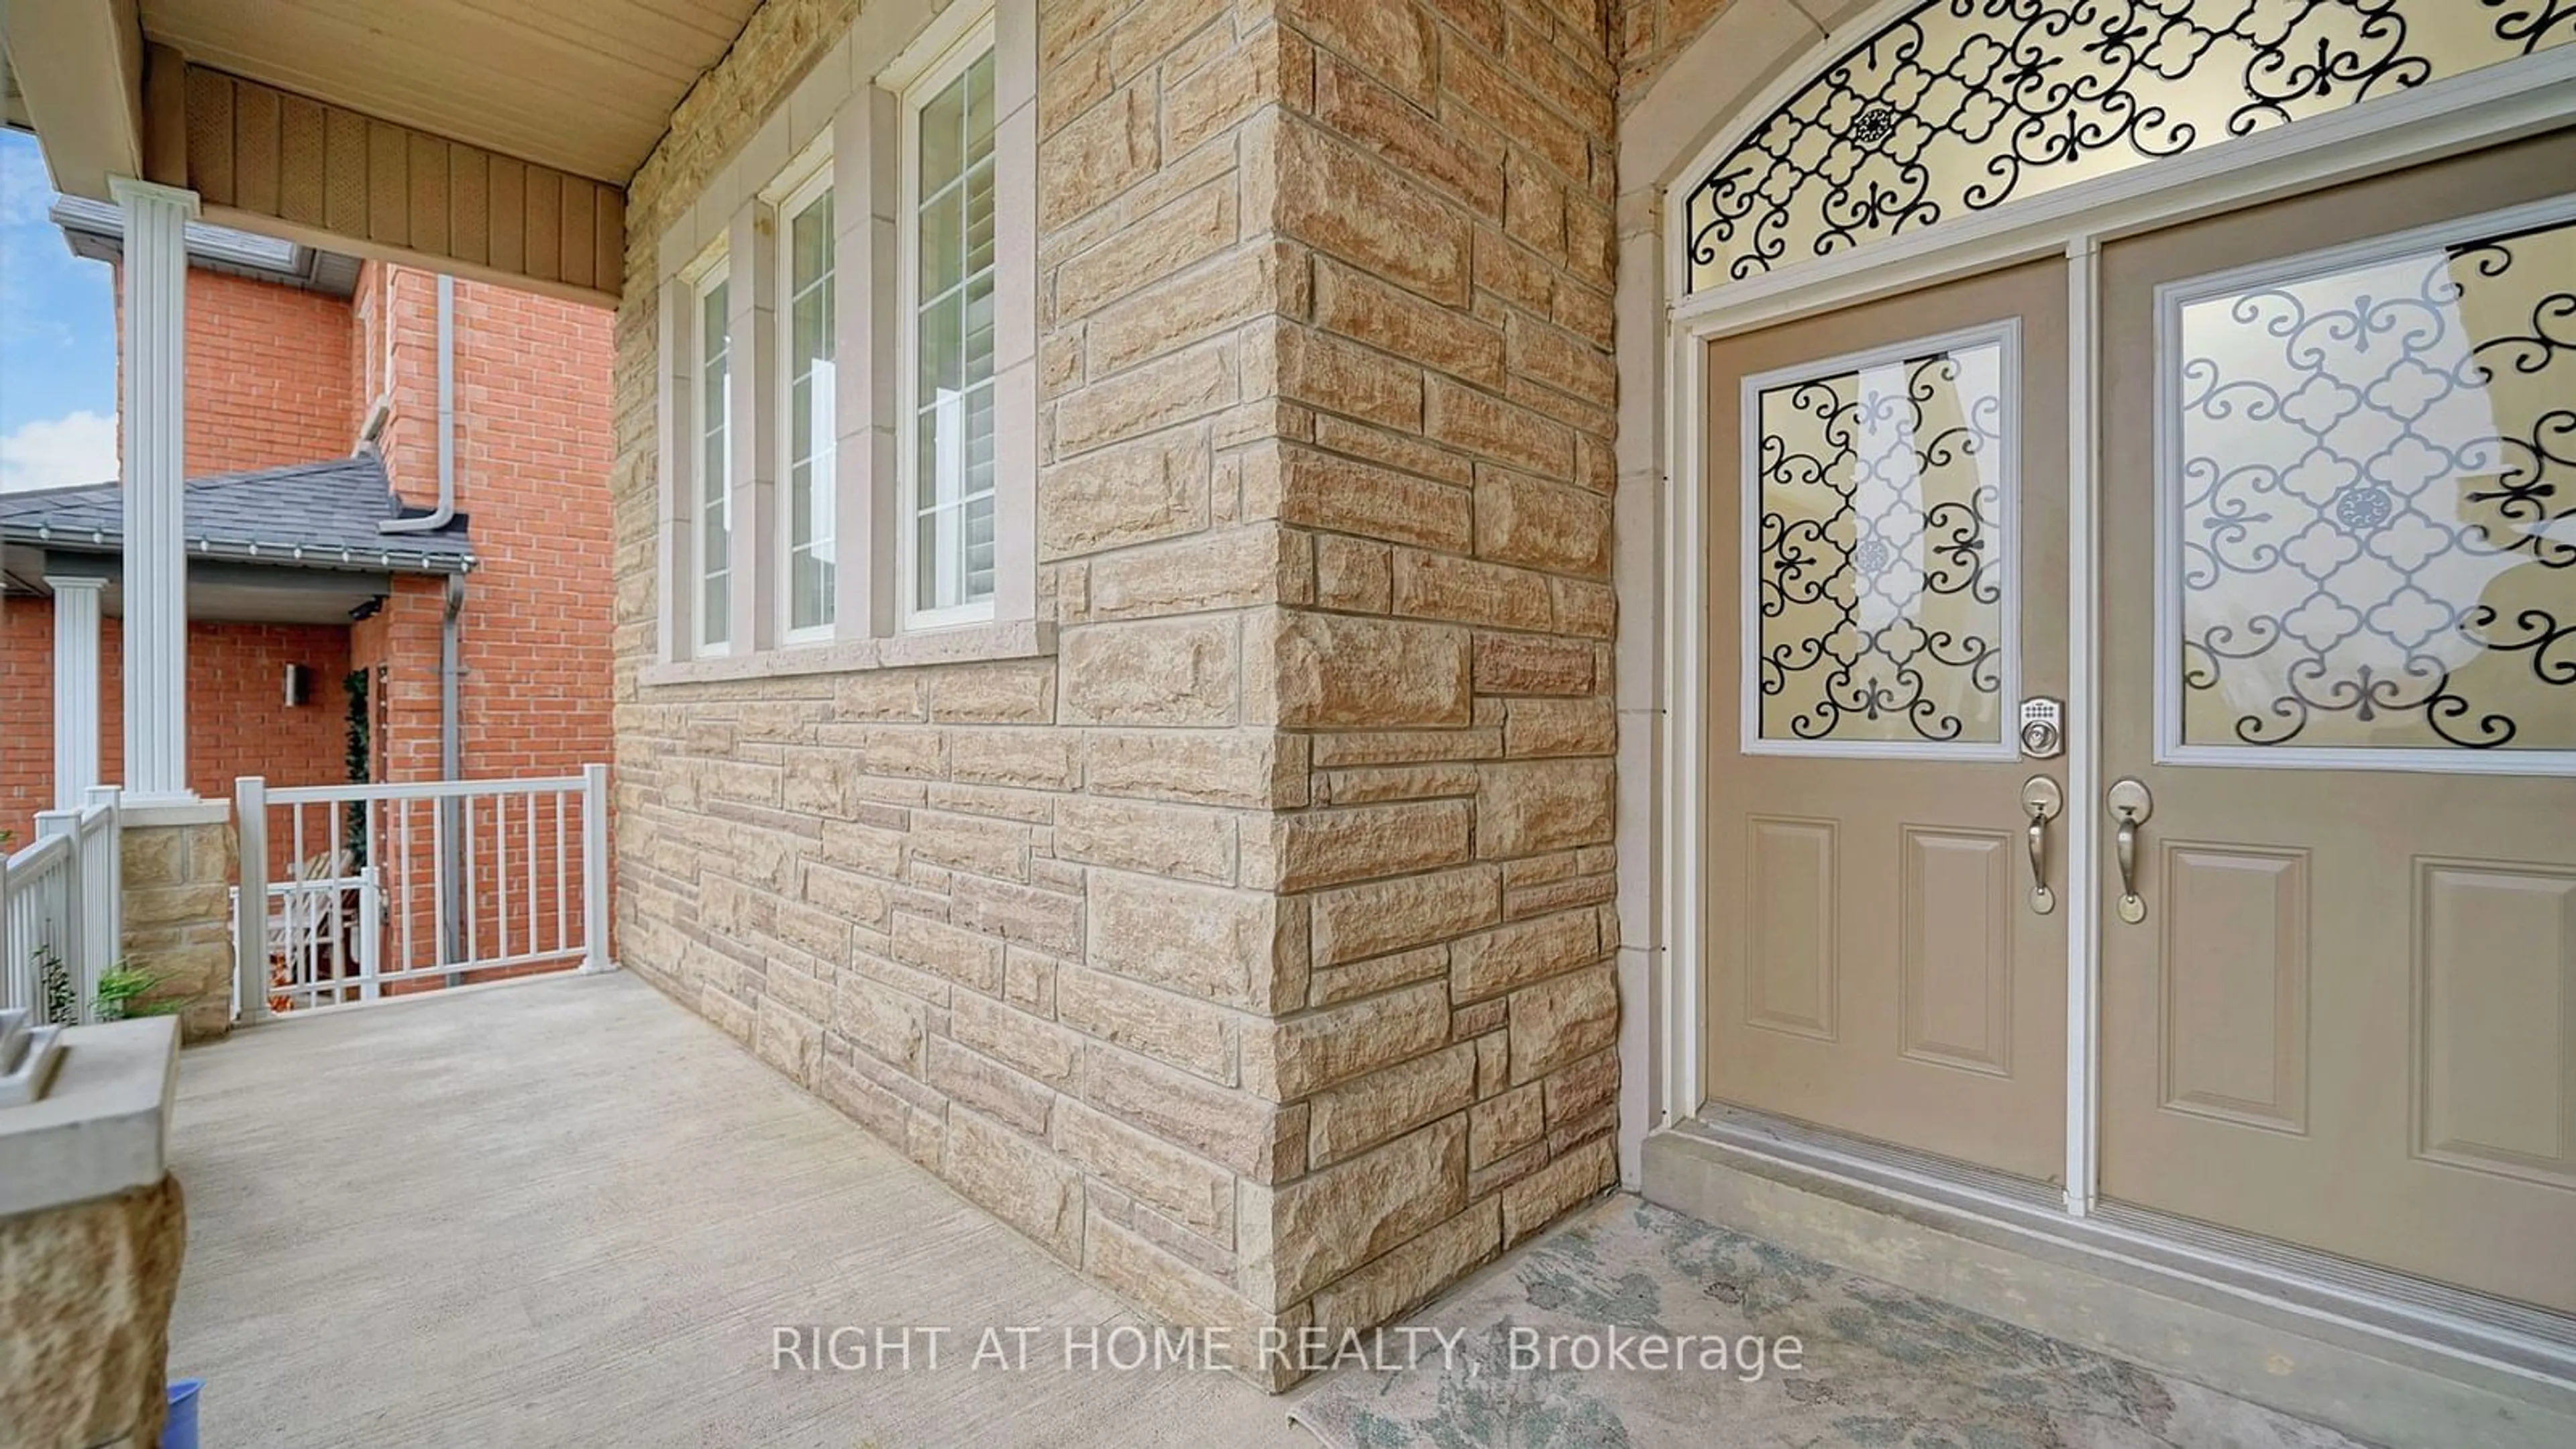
2041 800
2130 805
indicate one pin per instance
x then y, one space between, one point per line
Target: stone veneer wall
176 885
85 1294
1652 35
1445 176
1249 953
1652 32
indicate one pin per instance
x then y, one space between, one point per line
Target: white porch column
76 682
153 418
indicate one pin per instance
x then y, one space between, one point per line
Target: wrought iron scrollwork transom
1877 559
1964 105
2376 470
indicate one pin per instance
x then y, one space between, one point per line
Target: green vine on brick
361 762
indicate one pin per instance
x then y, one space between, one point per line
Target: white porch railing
385 890
324 937
59 913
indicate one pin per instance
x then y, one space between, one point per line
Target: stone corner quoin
1252 951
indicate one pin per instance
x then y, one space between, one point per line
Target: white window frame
957 56
846 121
812 178
710 272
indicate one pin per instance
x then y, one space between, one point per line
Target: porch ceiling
490 140
584 86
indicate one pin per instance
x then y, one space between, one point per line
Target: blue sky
57 339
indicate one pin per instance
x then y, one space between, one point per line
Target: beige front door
2338 543
1886 496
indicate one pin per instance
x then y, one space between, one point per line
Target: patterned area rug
1876 1365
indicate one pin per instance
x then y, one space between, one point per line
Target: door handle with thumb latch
2041 800
2130 806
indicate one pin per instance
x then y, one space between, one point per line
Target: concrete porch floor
569 1213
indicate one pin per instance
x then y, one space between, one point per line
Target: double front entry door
2334 523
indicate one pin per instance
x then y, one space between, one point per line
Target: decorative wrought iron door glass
1879 567
1962 105
2374 467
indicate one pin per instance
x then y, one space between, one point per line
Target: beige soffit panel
584 86
286 165
13 102
77 70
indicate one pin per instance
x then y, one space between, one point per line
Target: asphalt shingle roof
310 515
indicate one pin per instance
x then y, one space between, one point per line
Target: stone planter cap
103 1128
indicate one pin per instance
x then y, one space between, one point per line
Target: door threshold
2375 1353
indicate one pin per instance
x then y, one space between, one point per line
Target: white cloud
65 452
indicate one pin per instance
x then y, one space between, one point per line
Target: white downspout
451 670
454 946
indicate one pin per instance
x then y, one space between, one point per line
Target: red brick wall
238 721
534 380
532 458
26 712
401 641
280 376
270 380
277 376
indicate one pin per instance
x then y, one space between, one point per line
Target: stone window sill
966 644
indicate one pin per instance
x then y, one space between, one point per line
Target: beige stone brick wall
1653 32
1249 952
85 1294
1445 393
176 883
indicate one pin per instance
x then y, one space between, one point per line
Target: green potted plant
120 992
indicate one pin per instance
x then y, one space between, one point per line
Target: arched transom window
1963 105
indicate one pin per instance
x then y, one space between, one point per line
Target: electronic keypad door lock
2043 728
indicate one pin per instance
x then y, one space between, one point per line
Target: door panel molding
2495 1078
1790 926
2233 1031
1954 948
